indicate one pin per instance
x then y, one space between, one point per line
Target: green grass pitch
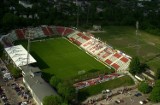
60 57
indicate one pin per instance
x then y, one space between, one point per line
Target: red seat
50 30
20 34
108 61
68 31
60 30
45 31
117 55
115 66
124 59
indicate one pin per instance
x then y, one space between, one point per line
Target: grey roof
32 69
38 86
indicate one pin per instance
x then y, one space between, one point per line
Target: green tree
143 67
155 94
157 83
157 73
54 81
64 104
10 20
68 92
52 100
134 66
1 49
16 72
144 88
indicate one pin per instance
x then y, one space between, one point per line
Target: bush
54 81
155 95
66 91
16 72
52 100
144 88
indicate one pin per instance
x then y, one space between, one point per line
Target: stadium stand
83 36
117 55
115 66
38 32
68 31
12 35
94 81
108 61
124 59
99 49
6 41
60 30
20 34
50 30
45 31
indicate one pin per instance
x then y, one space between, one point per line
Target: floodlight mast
29 37
138 47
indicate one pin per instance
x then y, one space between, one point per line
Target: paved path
135 80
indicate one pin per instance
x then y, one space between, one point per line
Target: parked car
138 94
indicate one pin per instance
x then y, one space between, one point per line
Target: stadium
67 52
104 53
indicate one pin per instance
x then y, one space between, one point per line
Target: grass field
115 83
60 57
145 45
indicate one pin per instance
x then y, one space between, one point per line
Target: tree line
66 13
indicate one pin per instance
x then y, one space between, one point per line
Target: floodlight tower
138 46
29 35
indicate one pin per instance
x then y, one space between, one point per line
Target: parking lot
119 96
132 98
13 92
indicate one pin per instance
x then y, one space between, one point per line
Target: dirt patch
151 43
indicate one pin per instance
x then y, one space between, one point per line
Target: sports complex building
85 41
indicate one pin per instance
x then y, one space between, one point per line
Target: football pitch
61 58
144 45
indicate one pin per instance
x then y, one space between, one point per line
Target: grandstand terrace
96 81
95 47
68 31
50 30
60 30
46 31
20 33
6 41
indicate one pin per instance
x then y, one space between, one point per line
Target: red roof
124 59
